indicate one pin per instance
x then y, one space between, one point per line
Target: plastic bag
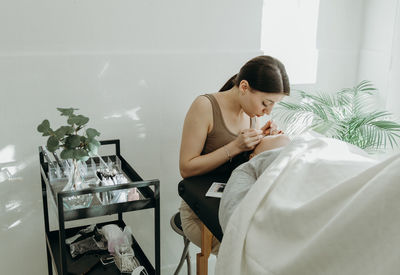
116 237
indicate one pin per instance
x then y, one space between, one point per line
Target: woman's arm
198 123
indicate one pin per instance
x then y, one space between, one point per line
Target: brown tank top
219 136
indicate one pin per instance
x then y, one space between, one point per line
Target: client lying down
315 206
246 174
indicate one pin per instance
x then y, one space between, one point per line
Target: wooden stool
206 245
177 227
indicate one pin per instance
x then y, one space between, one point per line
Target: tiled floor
211 266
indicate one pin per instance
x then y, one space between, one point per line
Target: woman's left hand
270 128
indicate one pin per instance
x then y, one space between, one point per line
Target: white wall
339 33
105 26
380 50
133 67
338 41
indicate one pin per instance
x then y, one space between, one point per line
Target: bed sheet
321 207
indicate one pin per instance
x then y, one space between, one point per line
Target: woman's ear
244 87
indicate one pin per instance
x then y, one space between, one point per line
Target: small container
125 259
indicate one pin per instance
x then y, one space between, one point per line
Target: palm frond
294 117
345 115
365 86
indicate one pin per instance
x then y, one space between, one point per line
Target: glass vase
75 183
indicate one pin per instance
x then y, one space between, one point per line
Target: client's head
269 143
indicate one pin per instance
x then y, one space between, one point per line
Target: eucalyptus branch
74 146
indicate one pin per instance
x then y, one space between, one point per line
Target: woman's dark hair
263 73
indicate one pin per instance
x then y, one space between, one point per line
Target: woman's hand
270 128
248 139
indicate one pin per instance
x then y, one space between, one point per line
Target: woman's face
256 103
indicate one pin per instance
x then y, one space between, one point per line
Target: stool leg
188 263
184 255
206 246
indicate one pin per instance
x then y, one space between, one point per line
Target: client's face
269 143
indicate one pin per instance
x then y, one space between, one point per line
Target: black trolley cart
55 240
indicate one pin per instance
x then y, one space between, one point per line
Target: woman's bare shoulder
201 104
200 113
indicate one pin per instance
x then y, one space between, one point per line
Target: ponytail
229 84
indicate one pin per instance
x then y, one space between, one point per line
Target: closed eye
267 102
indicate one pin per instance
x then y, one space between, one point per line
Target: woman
217 133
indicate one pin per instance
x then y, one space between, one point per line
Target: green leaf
93 146
63 131
94 142
67 111
78 120
91 133
348 115
67 154
73 141
386 125
81 154
70 120
44 128
52 144
323 128
93 153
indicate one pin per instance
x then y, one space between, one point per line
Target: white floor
171 269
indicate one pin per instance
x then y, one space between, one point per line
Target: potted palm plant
348 115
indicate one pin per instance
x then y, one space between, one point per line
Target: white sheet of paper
216 190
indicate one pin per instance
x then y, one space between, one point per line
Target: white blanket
240 182
322 207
